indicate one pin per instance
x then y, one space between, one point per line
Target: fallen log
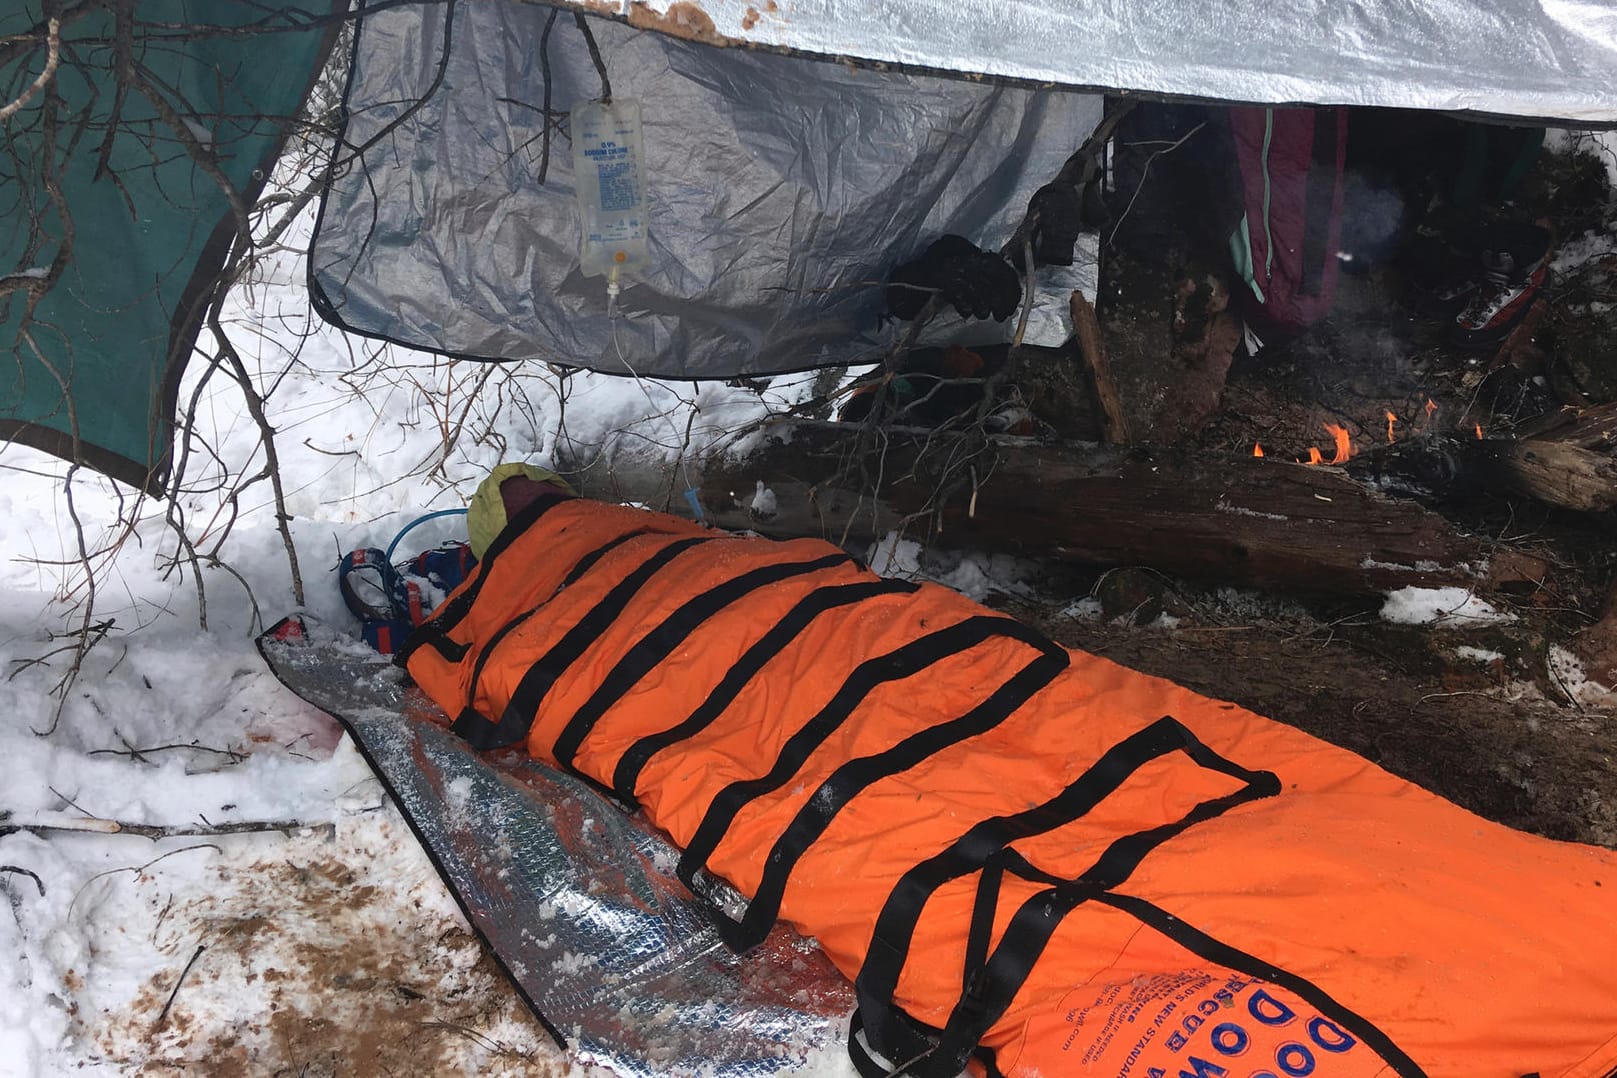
1557 473
1551 469
1587 428
1235 519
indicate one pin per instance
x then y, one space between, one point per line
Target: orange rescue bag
1026 857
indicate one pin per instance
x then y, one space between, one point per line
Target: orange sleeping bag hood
1030 860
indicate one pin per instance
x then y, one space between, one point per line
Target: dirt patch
683 20
1460 712
308 968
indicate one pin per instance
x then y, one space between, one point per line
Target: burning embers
1342 439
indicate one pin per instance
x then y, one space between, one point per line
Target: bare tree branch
53 53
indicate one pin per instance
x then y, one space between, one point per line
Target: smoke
1374 216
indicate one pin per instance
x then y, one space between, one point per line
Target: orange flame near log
1391 421
1257 450
1344 443
1479 432
1431 407
1344 446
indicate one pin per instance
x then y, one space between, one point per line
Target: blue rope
419 520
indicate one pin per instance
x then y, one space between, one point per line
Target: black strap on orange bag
991 981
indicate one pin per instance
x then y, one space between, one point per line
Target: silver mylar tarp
1546 59
780 191
577 900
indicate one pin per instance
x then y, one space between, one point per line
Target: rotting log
1234 519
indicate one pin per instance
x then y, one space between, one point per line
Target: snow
975 575
1088 608
340 922
763 504
1438 606
1567 669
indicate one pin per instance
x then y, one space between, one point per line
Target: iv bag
609 181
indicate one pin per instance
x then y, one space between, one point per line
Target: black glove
976 283
1060 210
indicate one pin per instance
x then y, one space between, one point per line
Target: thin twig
1560 682
544 72
203 157
1146 168
272 466
53 52
139 754
137 869
257 621
1459 692
19 870
98 826
66 800
163 1016
97 631
187 548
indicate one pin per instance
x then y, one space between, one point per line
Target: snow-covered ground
331 946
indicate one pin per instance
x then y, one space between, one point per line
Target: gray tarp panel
1537 58
780 191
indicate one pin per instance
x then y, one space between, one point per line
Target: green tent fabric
101 355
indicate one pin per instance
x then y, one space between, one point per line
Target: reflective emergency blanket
780 194
1554 59
575 898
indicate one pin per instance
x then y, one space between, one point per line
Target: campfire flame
1344 443
1257 449
1344 447
1391 422
1479 432
1431 407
